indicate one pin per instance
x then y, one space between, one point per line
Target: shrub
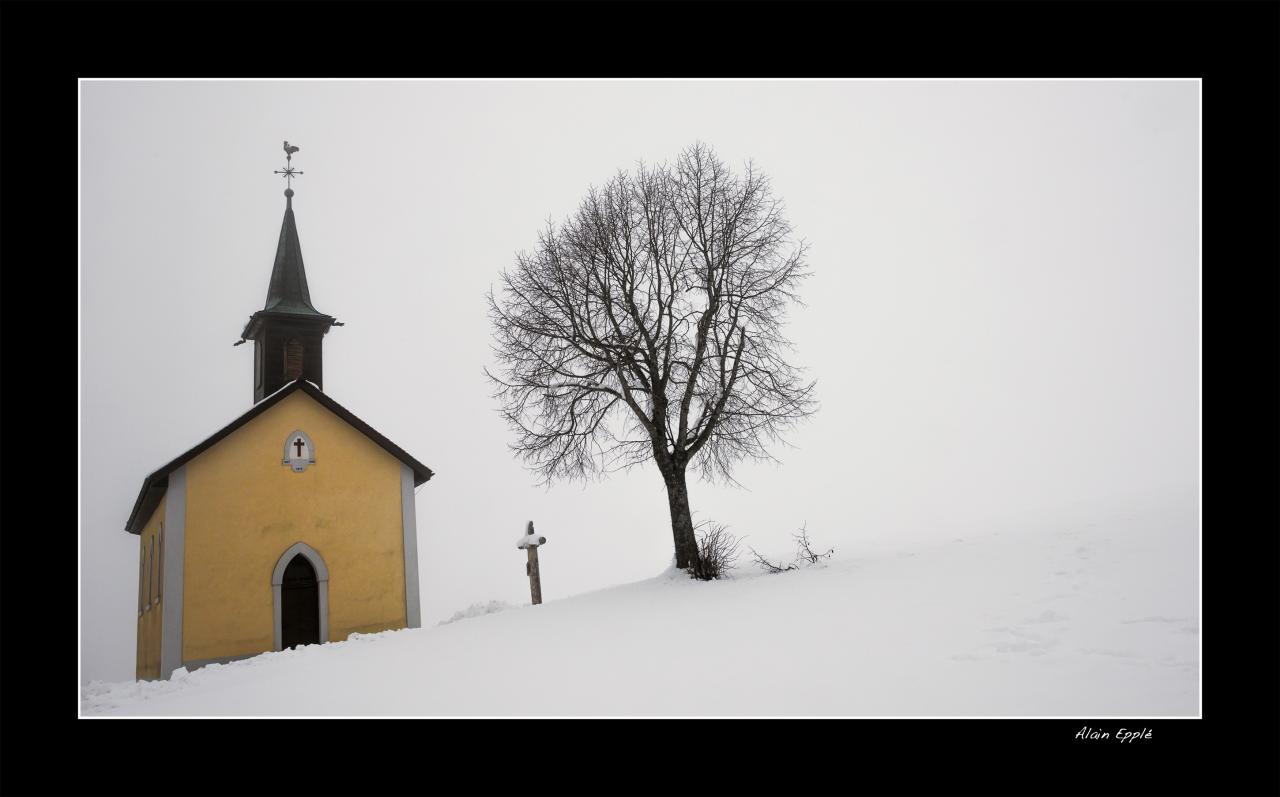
804 553
717 551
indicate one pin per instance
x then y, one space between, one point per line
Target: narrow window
151 558
160 567
142 569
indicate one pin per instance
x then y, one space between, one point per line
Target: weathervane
289 171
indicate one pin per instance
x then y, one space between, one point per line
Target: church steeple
288 332
288 292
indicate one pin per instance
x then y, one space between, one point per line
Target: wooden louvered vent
293 359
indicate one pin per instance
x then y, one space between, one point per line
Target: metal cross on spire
288 170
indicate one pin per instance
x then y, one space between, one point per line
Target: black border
1231 44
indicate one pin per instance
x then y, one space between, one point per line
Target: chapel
293 524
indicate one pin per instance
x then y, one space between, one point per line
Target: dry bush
717 551
768 566
804 551
804 555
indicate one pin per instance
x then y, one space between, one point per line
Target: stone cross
298 445
530 543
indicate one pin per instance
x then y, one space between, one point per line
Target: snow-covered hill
1096 616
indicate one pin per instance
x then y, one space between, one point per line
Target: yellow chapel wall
149 607
245 508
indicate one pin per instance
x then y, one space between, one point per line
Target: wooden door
299 604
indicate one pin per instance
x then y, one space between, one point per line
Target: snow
478 610
530 541
1088 614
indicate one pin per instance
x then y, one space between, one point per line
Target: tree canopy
649 325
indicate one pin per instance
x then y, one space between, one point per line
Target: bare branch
648 324
804 551
768 566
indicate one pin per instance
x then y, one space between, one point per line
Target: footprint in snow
1022 642
1156 619
1119 654
1047 616
1032 647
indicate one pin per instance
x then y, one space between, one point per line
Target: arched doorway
299 604
300 592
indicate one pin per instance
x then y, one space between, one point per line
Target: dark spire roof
288 290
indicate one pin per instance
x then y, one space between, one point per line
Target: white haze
1003 316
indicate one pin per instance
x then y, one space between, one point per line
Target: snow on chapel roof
154 486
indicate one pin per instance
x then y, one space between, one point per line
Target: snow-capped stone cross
530 542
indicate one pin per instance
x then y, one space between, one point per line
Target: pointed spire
288 292
288 332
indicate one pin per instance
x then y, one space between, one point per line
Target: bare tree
648 326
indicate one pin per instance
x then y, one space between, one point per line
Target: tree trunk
681 519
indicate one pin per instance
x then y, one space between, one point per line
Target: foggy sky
1003 316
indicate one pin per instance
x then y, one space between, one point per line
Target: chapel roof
287 293
154 486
